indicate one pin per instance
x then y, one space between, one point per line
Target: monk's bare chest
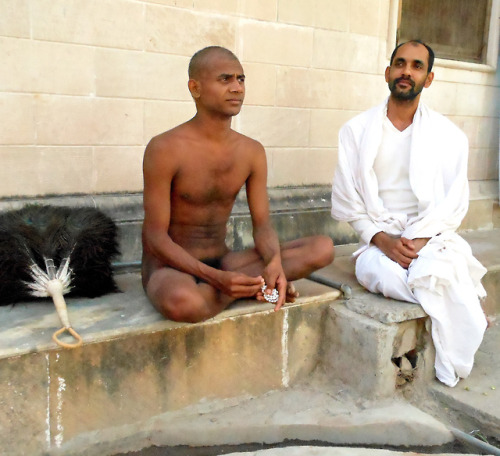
204 181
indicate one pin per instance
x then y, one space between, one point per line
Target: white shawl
438 176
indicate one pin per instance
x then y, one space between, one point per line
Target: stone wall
86 83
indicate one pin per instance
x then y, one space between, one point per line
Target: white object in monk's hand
273 297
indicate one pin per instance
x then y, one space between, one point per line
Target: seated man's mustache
411 81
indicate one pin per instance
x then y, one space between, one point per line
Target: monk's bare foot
291 293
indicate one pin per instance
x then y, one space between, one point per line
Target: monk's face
220 86
407 75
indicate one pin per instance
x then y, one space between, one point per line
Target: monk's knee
322 252
181 305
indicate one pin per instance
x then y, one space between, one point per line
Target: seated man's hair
199 59
415 42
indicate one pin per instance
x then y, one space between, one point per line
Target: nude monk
192 175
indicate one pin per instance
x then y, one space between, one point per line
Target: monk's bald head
202 58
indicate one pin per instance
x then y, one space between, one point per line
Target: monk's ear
194 88
429 79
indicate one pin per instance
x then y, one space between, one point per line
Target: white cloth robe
445 279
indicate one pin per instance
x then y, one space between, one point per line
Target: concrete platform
139 377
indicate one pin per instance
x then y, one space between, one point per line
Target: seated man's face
407 75
222 85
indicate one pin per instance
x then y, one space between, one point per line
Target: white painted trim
491 53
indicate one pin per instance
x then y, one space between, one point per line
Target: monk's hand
238 285
274 277
400 250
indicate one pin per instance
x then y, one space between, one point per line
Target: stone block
117 169
483 164
297 12
112 23
311 88
365 91
188 4
482 132
491 283
126 380
160 116
441 96
317 13
358 350
289 225
24 408
226 7
477 100
479 215
89 121
19 164
365 18
18 118
291 167
326 124
345 52
263 10
260 84
276 44
496 215
280 127
129 74
71 69
304 332
166 30
15 18
27 64
406 338
130 232
66 170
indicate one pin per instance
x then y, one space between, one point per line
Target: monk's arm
265 237
159 168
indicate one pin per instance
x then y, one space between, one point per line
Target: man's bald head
201 59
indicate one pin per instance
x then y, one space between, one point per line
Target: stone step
336 451
302 413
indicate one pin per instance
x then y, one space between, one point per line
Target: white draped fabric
445 279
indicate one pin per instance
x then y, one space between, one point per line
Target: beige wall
85 84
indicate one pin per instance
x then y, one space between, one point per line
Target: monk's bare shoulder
167 147
253 149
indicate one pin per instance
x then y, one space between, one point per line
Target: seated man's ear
194 88
429 79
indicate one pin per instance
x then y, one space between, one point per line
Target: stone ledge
27 327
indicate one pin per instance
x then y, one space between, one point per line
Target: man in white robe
401 182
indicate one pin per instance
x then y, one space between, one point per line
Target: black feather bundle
38 232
